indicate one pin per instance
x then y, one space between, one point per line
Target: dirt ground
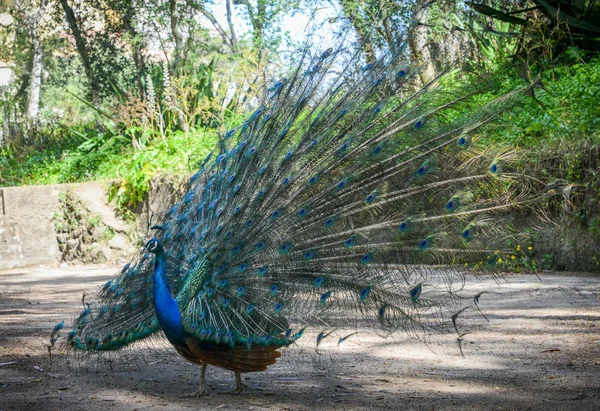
540 351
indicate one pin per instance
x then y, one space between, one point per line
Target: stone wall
31 234
28 235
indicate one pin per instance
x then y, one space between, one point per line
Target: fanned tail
352 197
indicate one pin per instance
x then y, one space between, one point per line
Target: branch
230 23
228 41
250 11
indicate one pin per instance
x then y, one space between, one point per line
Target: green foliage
179 157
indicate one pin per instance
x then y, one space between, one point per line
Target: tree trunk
231 28
33 105
179 58
349 7
137 48
81 49
230 42
419 44
177 36
257 20
35 83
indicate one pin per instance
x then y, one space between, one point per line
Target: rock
98 233
86 238
108 252
119 242
61 238
72 244
98 256
77 232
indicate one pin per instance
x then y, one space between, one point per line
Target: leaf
563 17
496 14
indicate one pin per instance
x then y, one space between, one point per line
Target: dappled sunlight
545 354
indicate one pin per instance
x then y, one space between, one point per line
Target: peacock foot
197 394
239 385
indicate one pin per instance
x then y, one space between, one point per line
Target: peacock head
153 246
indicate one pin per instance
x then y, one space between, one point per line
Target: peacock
356 196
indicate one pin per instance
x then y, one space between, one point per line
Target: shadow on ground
540 350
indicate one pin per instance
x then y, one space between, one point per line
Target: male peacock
353 197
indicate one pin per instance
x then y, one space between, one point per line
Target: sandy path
541 350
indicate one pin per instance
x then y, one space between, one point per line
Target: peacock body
354 196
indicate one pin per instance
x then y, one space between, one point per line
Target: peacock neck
167 309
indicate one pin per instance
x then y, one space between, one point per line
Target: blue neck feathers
167 310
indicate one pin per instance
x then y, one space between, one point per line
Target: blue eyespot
405 226
420 123
425 244
468 233
320 280
496 168
424 169
329 222
403 72
366 258
452 205
364 293
284 248
464 141
415 293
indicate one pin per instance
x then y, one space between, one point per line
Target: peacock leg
238 381
202 387
239 385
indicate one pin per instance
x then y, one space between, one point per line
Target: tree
82 48
32 19
230 40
